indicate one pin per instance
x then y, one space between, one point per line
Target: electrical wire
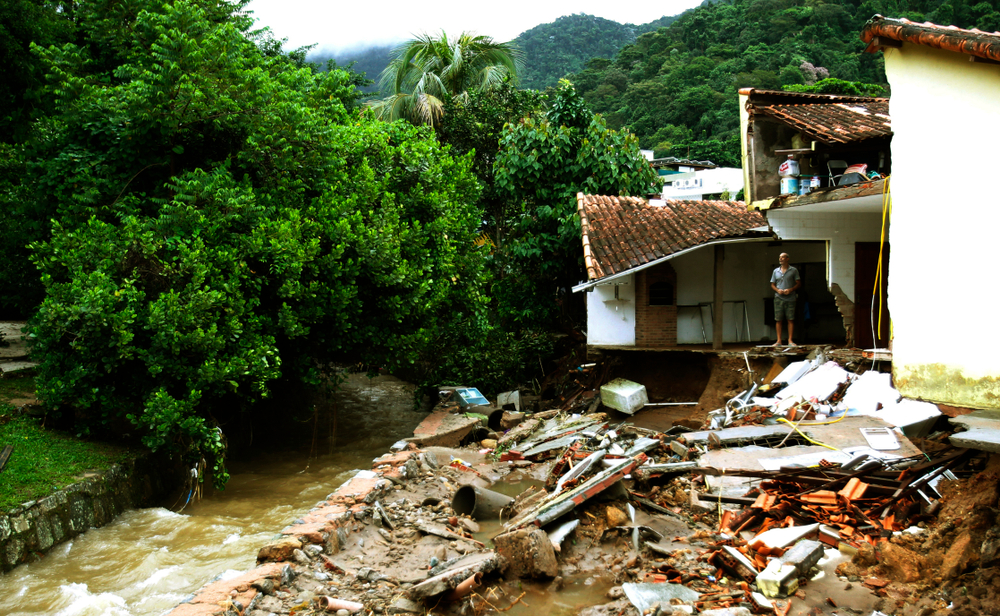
803 435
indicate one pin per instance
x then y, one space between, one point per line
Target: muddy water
149 560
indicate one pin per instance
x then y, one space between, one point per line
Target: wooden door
866 319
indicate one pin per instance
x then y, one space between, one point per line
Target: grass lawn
42 460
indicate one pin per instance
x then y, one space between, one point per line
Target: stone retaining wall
28 531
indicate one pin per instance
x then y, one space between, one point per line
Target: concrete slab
16 366
443 429
982 431
843 435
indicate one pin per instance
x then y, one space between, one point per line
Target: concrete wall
945 113
37 526
609 321
841 229
747 272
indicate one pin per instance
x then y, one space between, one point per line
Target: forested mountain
551 50
369 62
677 88
564 46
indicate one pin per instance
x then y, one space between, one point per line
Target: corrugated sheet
972 42
621 233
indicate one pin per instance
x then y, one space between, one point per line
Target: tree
427 70
474 126
222 221
542 164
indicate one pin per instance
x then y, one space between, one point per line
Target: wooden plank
5 455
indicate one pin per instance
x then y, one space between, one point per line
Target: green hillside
564 46
677 88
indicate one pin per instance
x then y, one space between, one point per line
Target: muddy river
149 560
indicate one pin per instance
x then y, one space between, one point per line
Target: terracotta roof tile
830 119
621 233
972 42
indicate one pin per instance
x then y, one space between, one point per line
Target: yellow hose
802 434
886 213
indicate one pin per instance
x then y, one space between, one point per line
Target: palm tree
427 70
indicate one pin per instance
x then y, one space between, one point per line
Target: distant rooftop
672 161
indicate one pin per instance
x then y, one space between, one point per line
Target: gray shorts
784 309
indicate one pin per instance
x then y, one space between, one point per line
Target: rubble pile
798 497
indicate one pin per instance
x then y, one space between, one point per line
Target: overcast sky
337 24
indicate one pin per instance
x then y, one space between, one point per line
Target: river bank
615 519
149 560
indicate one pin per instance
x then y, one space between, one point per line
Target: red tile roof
621 233
975 43
830 119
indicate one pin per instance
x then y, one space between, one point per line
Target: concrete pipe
467 586
332 604
479 503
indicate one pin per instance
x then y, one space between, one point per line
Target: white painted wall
841 229
695 184
747 272
610 321
946 123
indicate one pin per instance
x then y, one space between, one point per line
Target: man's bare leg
791 328
777 325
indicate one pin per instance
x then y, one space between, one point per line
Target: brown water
149 560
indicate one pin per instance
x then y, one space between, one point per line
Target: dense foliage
676 88
221 220
542 164
427 70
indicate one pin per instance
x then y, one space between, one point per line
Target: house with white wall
659 272
845 213
945 111
696 180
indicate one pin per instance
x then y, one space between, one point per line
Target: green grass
16 386
42 460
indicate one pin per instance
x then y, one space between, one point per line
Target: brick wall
655 326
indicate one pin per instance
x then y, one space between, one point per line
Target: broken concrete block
644 596
510 397
278 551
624 396
982 430
508 420
527 553
781 577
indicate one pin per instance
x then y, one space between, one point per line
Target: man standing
785 281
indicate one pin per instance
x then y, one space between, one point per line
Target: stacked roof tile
828 119
975 43
621 233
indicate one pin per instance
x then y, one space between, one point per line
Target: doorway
869 303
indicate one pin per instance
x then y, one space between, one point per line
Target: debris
624 396
560 532
781 576
644 596
479 503
527 552
331 604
